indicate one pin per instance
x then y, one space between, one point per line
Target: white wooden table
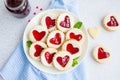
91 13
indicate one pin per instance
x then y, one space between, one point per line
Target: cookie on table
76 34
62 60
38 33
47 56
111 22
55 39
101 54
73 47
64 22
48 21
36 49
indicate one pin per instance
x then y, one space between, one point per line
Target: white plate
36 21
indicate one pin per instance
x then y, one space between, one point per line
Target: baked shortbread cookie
48 21
111 22
55 39
62 60
64 22
101 54
47 56
38 33
72 46
76 34
36 49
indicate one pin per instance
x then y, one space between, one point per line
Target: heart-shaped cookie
73 47
62 60
94 32
111 22
101 54
36 48
50 22
38 33
47 56
55 39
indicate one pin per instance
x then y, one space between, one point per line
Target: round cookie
55 39
73 47
36 49
38 33
101 54
62 60
76 34
48 21
111 22
47 56
64 22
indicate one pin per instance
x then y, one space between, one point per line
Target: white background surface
91 12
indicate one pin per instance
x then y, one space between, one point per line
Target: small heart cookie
101 54
47 56
111 22
73 47
64 22
36 49
62 60
55 39
38 33
94 32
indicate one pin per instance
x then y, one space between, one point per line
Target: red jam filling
113 22
56 40
63 60
66 22
76 37
49 57
38 49
50 22
38 35
71 49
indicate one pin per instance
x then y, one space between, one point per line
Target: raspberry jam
19 8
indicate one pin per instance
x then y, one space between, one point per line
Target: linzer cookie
101 54
111 22
36 49
55 39
38 33
73 47
64 22
62 60
76 34
47 56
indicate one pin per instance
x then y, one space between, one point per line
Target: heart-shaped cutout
38 35
50 22
38 50
63 60
71 49
66 22
113 22
49 57
56 39
94 32
102 54
76 37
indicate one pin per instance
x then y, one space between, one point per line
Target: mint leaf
75 62
78 25
28 43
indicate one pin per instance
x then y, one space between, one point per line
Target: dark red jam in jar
19 8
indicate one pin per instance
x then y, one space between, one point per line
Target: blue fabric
19 68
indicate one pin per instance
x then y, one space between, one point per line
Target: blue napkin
19 68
